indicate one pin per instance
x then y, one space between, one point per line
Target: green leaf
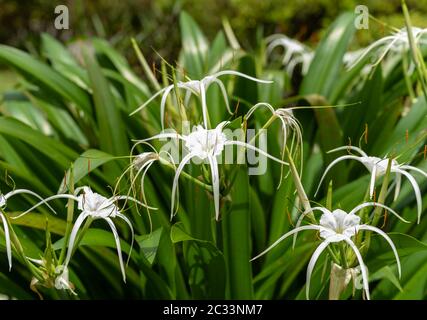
112 131
87 162
149 244
194 47
28 65
236 238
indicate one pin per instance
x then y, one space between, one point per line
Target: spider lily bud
142 159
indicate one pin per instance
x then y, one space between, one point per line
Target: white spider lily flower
289 123
396 43
378 167
294 52
199 88
95 206
206 144
352 57
3 204
334 227
62 281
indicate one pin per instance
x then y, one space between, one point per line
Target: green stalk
381 199
416 53
151 77
70 215
81 234
407 78
20 251
237 240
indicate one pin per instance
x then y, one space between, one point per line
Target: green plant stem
70 215
343 255
416 54
20 251
187 176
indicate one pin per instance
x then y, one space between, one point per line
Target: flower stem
70 214
187 176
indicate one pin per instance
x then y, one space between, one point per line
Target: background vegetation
66 98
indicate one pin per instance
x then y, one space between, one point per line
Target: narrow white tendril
7 239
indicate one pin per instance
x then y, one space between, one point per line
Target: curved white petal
406 167
370 48
310 227
301 218
148 101
331 165
169 135
176 178
236 73
58 196
224 94
7 238
115 198
79 221
20 191
387 238
246 145
123 217
257 106
163 105
398 181
362 266
119 247
204 105
360 151
312 263
416 190
376 204
215 184
372 183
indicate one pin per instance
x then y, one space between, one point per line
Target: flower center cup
339 222
379 164
206 143
97 206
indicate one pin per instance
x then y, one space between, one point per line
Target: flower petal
332 164
115 198
123 217
360 151
215 184
163 105
224 94
7 238
236 73
148 101
176 178
80 219
58 196
301 218
19 191
416 190
372 183
362 266
376 204
246 145
310 227
312 263
119 248
387 238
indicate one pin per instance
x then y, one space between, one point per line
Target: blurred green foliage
156 22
